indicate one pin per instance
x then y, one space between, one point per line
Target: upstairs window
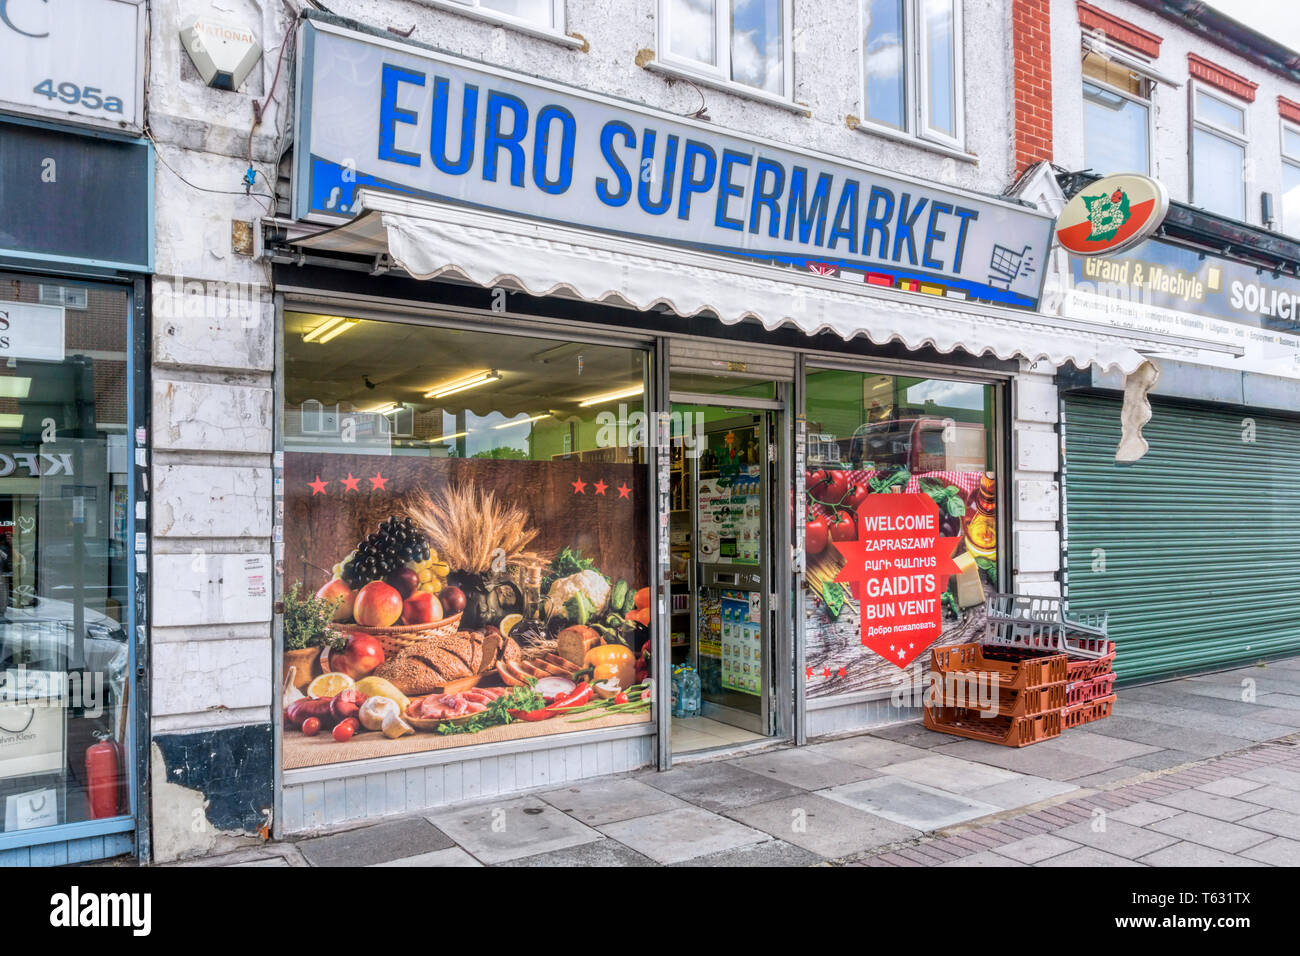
746 42
1218 154
1291 180
912 67
1116 117
546 16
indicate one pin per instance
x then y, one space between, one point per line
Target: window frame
1236 137
1148 103
1291 160
718 74
916 80
474 9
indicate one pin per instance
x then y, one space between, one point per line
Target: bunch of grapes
396 543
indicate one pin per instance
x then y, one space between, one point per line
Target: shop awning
430 239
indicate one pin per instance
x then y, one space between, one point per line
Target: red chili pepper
531 715
580 695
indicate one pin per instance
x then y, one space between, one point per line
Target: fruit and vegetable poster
897 564
434 603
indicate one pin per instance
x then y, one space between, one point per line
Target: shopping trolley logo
1008 265
75 909
1111 214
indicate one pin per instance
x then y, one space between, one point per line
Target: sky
1273 18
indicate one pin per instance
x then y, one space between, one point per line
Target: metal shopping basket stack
1039 670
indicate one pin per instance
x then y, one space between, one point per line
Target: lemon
509 621
440 568
328 685
378 687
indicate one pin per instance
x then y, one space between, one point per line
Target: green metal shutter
1198 539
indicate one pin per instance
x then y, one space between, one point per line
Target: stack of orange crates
999 695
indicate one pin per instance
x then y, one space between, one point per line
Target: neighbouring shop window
912 67
872 434
64 658
740 41
1116 117
1218 154
1291 180
465 537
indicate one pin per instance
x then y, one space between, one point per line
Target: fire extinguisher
103 776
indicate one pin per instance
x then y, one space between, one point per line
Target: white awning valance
431 239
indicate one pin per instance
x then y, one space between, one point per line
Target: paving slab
377 843
799 768
1118 838
1161 760
771 853
1229 786
1106 779
1285 718
1035 848
913 733
1029 760
1276 699
1208 804
1278 822
986 858
679 835
950 773
1274 797
1201 720
719 786
1143 814
1278 851
1082 743
866 751
501 830
606 800
452 856
1170 737
1207 831
1280 776
1088 856
909 804
596 853
827 827
1193 854
1020 792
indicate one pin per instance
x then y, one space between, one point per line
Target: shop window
1291 180
746 42
472 505
870 435
64 589
1218 154
912 67
1116 117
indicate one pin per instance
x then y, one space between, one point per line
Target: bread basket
396 639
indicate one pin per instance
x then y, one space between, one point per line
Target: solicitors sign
376 113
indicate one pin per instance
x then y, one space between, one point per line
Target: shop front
73 430
555 434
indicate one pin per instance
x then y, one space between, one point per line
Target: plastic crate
1021 703
1087 669
1088 712
1040 623
1080 692
1014 673
1004 731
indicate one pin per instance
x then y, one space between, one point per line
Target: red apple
361 656
334 590
406 581
452 599
377 605
421 608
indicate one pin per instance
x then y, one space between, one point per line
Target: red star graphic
350 483
842 672
808 672
600 487
377 483
579 487
624 491
318 486
826 673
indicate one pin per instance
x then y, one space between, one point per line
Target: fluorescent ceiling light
443 439
383 409
460 385
16 386
522 421
331 328
610 396
11 421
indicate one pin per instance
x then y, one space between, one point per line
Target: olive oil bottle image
982 528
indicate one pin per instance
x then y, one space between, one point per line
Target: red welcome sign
897 570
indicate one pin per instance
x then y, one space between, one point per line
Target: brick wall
1031 27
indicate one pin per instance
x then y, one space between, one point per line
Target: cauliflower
591 585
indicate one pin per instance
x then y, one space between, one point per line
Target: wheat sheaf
467 525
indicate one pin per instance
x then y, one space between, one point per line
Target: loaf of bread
429 665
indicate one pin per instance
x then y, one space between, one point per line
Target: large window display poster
929 552
483 580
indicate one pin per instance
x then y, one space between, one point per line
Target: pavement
1201 771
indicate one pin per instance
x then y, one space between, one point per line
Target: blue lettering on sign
967 216
390 114
438 134
546 118
810 213
933 235
727 190
690 184
905 224
765 197
495 140
845 225
608 132
659 206
878 221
